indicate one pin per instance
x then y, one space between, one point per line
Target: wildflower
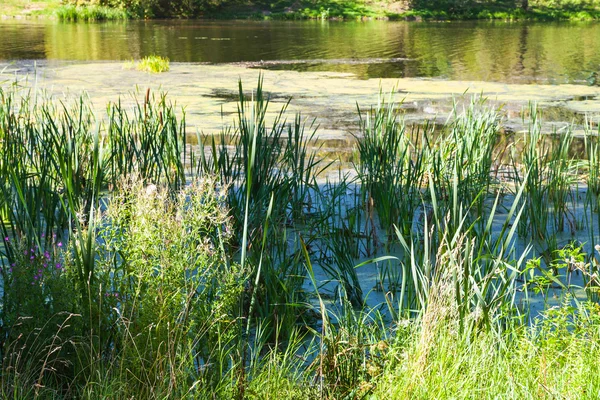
58 266
47 255
6 239
32 258
59 244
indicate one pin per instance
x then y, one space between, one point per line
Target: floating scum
330 97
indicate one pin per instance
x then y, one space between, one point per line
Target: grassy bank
137 265
308 9
404 10
25 8
71 13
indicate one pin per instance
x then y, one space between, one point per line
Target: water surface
489 51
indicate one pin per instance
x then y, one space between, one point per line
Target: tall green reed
391 166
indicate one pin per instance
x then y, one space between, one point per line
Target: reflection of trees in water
521 50
468 50
30 45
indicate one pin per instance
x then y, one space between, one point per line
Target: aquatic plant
237 270
391 166
153 64
89 13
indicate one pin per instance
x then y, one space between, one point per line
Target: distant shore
301 10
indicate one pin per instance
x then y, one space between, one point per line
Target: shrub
173 298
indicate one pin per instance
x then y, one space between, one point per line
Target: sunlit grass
153 64
233 270
28 7
90 13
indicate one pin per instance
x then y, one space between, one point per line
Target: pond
490 51
429 65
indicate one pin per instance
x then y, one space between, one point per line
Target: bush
172 298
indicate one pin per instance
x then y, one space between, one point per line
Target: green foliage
98 10
391 158
172 297
507 9
554 357
89 13
154 64
235 271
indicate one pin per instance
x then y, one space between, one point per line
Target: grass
545 360
134 265
15 8
89 13
321 9
152 64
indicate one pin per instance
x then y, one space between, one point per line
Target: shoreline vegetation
137 265
417 10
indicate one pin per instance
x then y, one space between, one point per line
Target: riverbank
28 9
315 9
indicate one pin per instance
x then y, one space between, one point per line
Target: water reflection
490 51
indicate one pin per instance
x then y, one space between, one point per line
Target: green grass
320 9
153 64
553 358
137 266
89 13
29 8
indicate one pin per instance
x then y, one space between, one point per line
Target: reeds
391 167
217 271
